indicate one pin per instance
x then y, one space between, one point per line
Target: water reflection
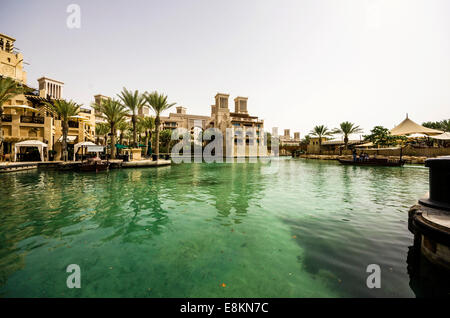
426 279
174 222
230 188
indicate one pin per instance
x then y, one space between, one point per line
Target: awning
78 117
340 142
81 144
408 127
444 136
367 144
30 143
417 136
119 146
68 139
24 107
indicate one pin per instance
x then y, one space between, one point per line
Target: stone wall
408 159
407 151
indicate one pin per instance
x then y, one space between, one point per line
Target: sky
301 63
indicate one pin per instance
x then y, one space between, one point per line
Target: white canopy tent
31 143
80 145
444 136
408 127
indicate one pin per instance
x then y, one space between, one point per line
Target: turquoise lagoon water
289 228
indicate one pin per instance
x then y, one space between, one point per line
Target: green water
291 228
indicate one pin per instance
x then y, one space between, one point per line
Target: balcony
32 119
6 118
73 124
86 111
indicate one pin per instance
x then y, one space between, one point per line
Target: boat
94 165
374 162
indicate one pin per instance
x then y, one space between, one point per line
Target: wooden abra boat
374 162
94 165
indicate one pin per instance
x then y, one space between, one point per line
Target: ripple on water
291 228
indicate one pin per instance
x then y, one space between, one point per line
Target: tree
122 126
166 139
439 125
381 136
305 141
320 132
9 88
114 112
158 102
347 128
101 129
268 140
445 125
64 110
147 124
134 102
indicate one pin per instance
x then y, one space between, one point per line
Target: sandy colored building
243 125
26 117
223 118
98 115
287 140
181 119
11 61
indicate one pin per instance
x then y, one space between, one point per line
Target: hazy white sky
301 63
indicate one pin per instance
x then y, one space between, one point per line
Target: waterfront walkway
408 159
73 165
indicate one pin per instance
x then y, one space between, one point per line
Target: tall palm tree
134 102
123 126
9 88
159 104
147 124
114 112
64 110
347 128
101 129
320 132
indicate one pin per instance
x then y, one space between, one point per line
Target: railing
6 118
32 119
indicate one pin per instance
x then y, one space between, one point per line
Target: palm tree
347 128
101 129
159 104
147 124
114 112
445 125
9 88
122 126
134 102
320 132
64 110
305 140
